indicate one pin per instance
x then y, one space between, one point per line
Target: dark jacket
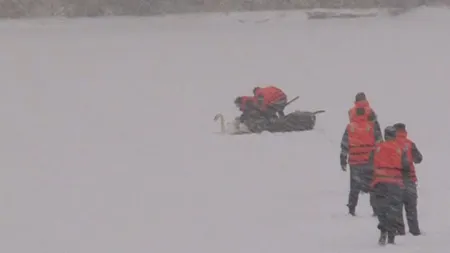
416 154
250 111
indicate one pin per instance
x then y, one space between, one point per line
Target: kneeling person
271 100
247 106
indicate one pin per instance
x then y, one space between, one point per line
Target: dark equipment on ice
258 121
292 122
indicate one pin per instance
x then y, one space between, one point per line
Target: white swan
220 117
233 128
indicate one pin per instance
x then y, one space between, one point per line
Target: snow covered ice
108 141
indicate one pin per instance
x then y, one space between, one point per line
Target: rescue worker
362 102
271 101
358 141
247 105
390 160
410 178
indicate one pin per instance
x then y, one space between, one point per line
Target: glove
343 162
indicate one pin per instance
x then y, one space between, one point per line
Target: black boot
351 210
414 227
415 232
391 238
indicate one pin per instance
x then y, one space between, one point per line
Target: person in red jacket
358 140
362 102
271 100
410 195
247 105
390 161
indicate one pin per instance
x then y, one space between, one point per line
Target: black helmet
390 132
238 101
360 96
400 126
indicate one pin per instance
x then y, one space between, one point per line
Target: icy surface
108 143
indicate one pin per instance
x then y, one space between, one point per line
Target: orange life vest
407 144
360 104
271 94
361 140
388 163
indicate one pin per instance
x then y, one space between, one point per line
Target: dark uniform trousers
388 201
409 202
360 179
274 108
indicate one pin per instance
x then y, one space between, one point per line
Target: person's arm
344 150
416 154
